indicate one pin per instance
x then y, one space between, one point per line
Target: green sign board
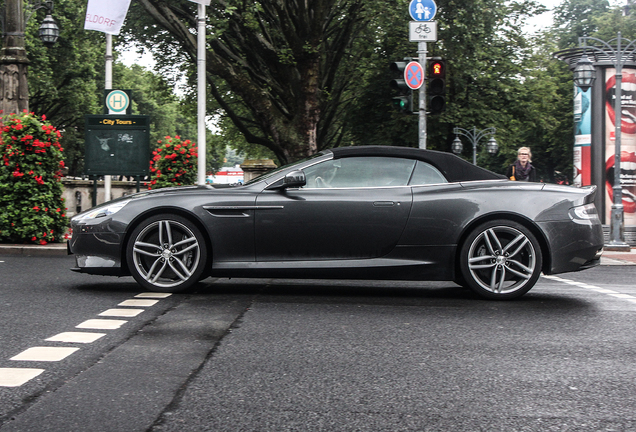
117 145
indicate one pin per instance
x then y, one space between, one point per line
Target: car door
351 208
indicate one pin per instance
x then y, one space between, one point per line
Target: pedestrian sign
414 75
423 10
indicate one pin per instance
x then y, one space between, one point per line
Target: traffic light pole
421 54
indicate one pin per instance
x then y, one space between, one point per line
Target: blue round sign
422 10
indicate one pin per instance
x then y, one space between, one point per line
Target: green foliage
279 71
30 187
66 81
576 18
174 163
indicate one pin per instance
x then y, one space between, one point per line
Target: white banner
106 16
203 2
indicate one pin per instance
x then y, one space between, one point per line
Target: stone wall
78 194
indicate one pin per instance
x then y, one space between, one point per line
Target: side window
360 172
426 174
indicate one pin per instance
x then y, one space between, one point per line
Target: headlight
584 214
103 210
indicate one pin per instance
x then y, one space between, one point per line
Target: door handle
383 204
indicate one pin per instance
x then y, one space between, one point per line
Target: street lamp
13 59
584 75
474 137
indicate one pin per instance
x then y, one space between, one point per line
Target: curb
51 249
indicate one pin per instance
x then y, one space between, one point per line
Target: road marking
121 312
76 337
138 303
153 295
595 288
101 324
49 354
15 377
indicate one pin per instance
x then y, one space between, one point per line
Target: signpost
422 30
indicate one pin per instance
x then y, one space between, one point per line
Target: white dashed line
121 312
48 354
101 324
76 337
138 303
15 377
153 295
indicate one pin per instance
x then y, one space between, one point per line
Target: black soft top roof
454 168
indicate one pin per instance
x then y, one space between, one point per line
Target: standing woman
522 169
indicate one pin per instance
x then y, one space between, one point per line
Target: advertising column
582 137
627 117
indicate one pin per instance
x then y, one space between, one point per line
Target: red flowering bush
173 163
30 189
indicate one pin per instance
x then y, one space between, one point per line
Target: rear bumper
574 246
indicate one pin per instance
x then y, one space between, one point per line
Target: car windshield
279 169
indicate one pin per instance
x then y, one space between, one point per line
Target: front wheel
501 260
166 253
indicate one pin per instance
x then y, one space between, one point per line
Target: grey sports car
367 212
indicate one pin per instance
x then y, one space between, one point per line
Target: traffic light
404 102
436 85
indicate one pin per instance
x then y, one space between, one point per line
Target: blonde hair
525 150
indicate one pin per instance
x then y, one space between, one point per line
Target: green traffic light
402 103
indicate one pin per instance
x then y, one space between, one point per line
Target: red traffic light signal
436 85
437 68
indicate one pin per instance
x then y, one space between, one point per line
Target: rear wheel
166 253
501 259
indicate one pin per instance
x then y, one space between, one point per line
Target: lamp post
474 137
13 59
618 51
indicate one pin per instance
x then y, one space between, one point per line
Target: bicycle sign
422 31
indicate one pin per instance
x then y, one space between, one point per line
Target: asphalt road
274 355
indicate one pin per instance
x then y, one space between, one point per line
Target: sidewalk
59 249
619 258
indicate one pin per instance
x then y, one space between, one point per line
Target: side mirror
295 179
291 180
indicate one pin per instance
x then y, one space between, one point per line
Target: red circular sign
414 75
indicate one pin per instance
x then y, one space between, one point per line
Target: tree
279 70
576 18
66 80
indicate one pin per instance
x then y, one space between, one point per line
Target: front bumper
98 248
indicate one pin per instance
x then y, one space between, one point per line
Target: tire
166 253
501 260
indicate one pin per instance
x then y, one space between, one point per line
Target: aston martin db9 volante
368 212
